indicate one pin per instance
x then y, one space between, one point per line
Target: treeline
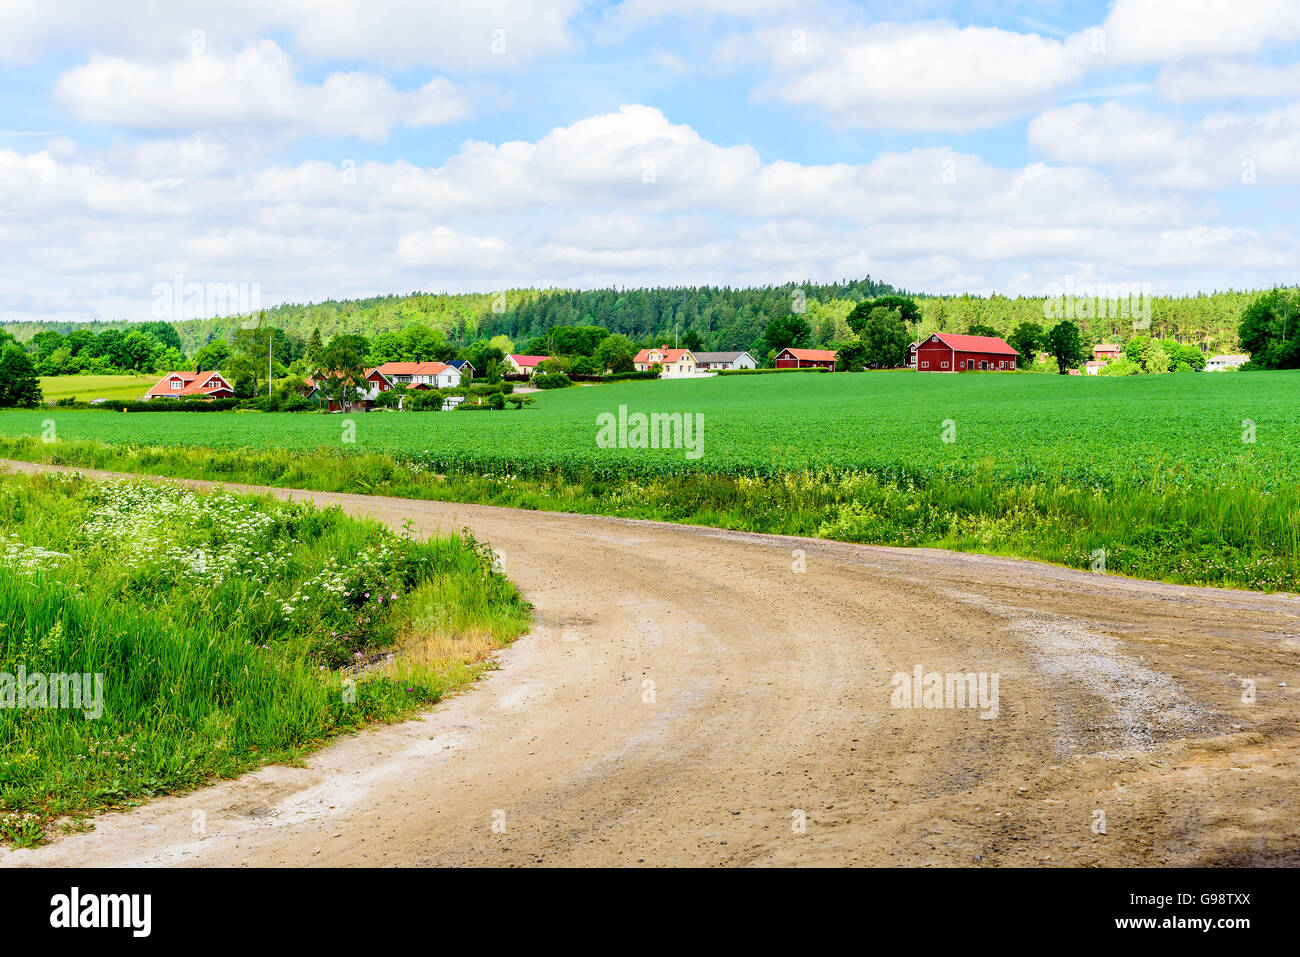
1209 320
105 350
718 318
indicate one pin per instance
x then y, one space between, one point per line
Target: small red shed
806 359
946 352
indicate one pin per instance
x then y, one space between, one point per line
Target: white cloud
1223 151
483 35
1227 79
1153 31
256 87
920 76
572 208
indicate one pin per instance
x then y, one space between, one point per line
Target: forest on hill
721 317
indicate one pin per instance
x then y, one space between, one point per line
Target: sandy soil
687 696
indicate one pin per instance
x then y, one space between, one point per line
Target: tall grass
1222 530
178 600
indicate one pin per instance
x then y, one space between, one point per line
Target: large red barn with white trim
947 352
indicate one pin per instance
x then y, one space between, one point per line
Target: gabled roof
975 343
522 361
669 355
719 356
194 383
412 368
819 355
459 363
1107 347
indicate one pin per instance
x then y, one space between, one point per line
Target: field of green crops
1188 478
86 388
1181 429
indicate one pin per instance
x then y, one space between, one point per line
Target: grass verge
1224 534
197 635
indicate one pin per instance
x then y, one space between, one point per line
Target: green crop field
1188 477
87 387
1158 429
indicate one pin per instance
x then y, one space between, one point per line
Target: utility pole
269 340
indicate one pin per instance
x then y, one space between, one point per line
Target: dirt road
692 696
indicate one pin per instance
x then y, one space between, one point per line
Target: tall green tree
616 353
884 338
906 306
1066 344
19 384
1026 340
1270 330
343 370
789 331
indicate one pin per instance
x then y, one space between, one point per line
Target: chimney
663 348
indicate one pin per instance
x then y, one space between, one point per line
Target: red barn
806 359
945 352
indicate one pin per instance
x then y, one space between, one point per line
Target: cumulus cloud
1152 31
1222 151
575 207
485 35
922 76
257 88
1227 79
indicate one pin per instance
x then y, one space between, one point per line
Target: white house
1221 363
414 375
724 360
523 365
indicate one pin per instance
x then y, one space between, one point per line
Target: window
926 365
176 383
1002 364
942 365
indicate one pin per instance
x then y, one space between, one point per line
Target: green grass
1150 429
87 387
219 624
1152 471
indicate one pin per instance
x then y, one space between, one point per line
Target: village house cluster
940 352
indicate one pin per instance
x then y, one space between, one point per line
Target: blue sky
354 147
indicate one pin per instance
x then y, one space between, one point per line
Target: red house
191 385
806 359
946 352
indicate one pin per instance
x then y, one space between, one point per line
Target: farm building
1094 366
1106 351
417 375
523 365
947 352
191 385
1221 363
724 360
911 355
675 362
806 359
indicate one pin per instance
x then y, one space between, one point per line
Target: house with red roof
949 352
192 385
413 375
523 365
806 359
420 375
674 362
